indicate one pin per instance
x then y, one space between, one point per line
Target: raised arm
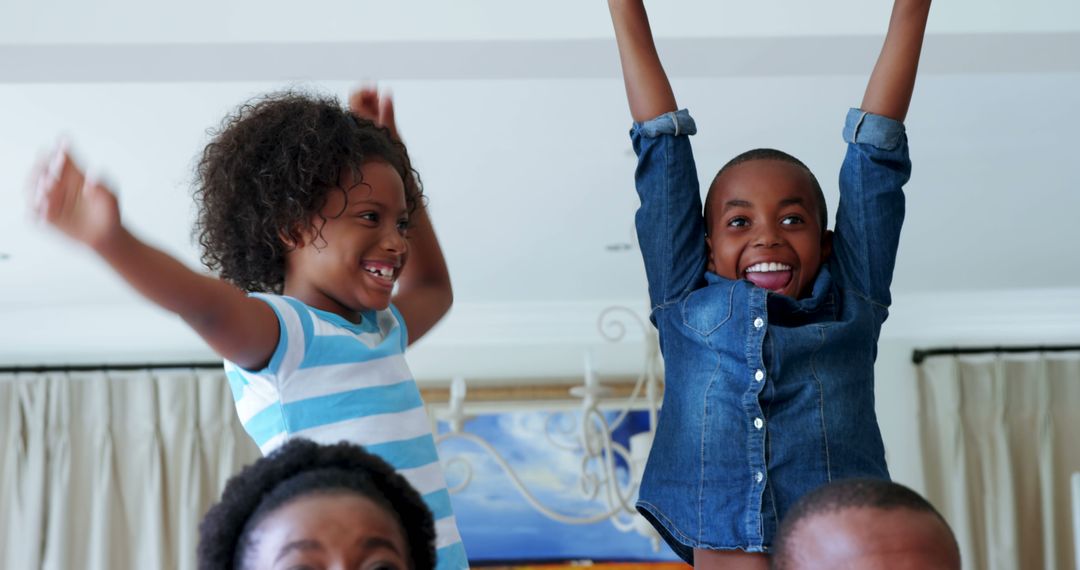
424 293
240 329
647 87
889 91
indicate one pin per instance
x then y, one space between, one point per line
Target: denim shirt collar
819 298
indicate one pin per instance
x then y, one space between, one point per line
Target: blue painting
498 525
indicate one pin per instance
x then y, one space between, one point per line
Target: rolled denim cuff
882 132
678 123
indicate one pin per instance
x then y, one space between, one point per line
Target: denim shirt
767 397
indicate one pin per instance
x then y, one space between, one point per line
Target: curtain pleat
105 470
1000 437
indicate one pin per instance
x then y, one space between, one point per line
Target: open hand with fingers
79 206
368 103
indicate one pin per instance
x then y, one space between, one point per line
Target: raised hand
368 103
424 293
78 206
239 328
888 92
647 87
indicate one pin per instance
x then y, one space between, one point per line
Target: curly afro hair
267 172
302 468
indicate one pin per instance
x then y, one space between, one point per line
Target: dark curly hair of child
266 175
301 468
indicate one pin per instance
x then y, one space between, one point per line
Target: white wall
517 120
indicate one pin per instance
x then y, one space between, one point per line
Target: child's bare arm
889 91
647 87
424 293
239 328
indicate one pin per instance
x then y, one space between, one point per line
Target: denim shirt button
758 323
758 423
758 476
759 376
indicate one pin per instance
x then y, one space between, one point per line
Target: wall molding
1027 316
497 343
521 59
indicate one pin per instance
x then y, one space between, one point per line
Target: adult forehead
873 539
331 520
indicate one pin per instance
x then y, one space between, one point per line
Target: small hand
368 103
79 206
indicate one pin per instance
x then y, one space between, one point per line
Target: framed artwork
498 524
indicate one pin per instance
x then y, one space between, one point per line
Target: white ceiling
517 121
201 21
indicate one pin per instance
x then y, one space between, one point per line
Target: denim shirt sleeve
669 224
871 209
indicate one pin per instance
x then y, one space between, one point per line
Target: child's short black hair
773 154
301 468
267 173
847 494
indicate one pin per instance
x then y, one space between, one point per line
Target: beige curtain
1000 440
109 470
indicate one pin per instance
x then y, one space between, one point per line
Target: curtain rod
919 355
200 365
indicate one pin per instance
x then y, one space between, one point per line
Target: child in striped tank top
308 212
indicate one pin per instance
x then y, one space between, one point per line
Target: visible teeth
380 271
766 267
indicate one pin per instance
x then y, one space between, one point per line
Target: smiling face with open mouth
763 227
356 257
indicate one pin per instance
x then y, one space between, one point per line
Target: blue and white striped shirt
331 380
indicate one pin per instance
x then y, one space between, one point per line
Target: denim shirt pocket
705 310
